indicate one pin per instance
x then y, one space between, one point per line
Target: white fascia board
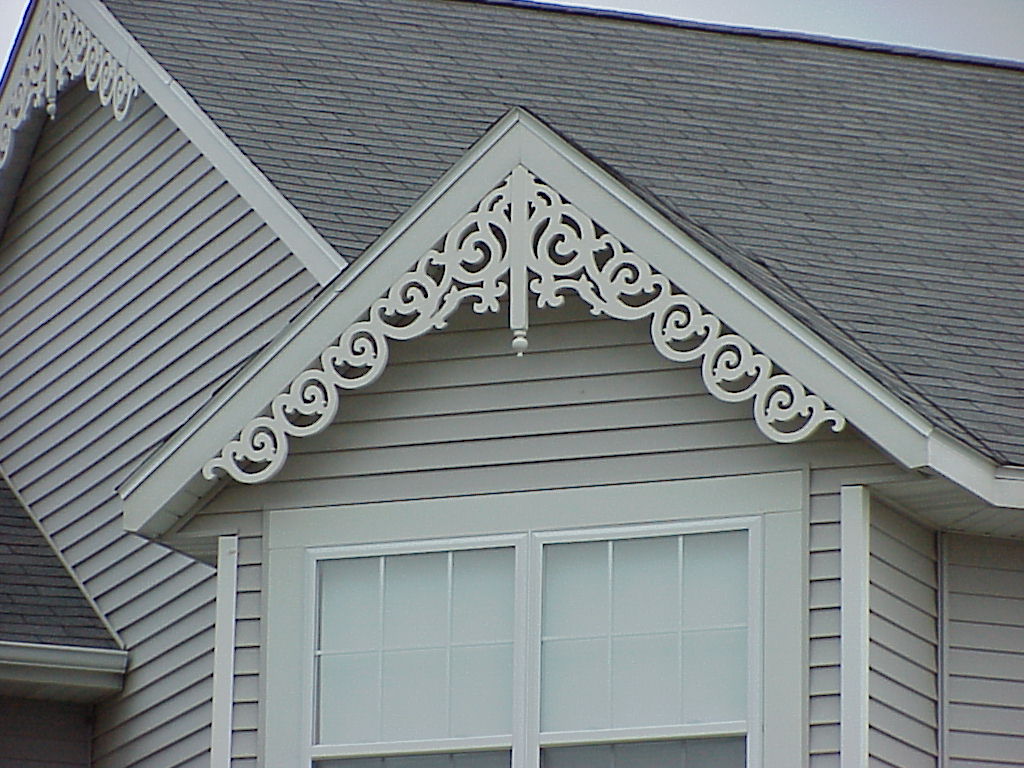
82 673
999 486
167 484
308 245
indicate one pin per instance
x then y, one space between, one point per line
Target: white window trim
777 502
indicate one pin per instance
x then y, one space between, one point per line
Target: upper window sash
528 632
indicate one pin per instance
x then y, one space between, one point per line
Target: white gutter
83 673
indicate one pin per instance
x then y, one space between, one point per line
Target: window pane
644 632
692 753
440 663
354 717
715 579
645 681
483 595
575 601
575 687
646 585
416 600
414 699
715 676
481 690
350 604
500 759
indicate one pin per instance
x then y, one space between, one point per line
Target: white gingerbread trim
524 234
57 49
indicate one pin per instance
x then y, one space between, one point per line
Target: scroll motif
60 48
567 253
469 264
573 254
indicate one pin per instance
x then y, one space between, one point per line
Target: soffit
875 196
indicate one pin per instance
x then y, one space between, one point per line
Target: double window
639 644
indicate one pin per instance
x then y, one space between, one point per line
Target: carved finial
51 108
519 341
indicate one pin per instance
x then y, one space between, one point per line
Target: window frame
774 505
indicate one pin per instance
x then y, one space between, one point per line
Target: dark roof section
39 601
876 196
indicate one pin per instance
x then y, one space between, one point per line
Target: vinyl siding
591 403
985 651
44 734
133 281
903 635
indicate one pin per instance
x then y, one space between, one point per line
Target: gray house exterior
678 369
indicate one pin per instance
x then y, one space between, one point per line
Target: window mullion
609 660
526 736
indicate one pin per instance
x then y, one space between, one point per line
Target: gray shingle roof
877 196
39 601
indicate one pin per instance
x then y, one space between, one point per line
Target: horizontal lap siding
591 403
133 280
985 651
903 632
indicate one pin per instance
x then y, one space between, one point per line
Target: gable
169 485
888 223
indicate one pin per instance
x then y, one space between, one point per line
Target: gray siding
984 651
591 403
133 280
903 632
44 734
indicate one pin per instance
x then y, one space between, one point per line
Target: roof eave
60 672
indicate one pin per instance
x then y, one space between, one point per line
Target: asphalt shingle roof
877 196
39 601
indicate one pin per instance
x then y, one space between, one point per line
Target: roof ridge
770 34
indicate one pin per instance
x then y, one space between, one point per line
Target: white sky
990 28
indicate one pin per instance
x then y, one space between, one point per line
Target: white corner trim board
524 238
854 527
58 48
224 652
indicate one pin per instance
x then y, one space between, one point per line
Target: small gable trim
170 483
82 36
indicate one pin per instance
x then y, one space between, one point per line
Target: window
636 644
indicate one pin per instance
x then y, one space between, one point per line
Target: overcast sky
990 28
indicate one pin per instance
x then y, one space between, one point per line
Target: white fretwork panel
59 48
524 239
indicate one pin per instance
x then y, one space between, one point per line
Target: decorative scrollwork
567 253
60 48
572 254
469 264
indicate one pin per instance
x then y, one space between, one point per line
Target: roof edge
304 241
61 671
59 554
169 483
811 38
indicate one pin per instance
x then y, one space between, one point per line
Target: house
443 382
